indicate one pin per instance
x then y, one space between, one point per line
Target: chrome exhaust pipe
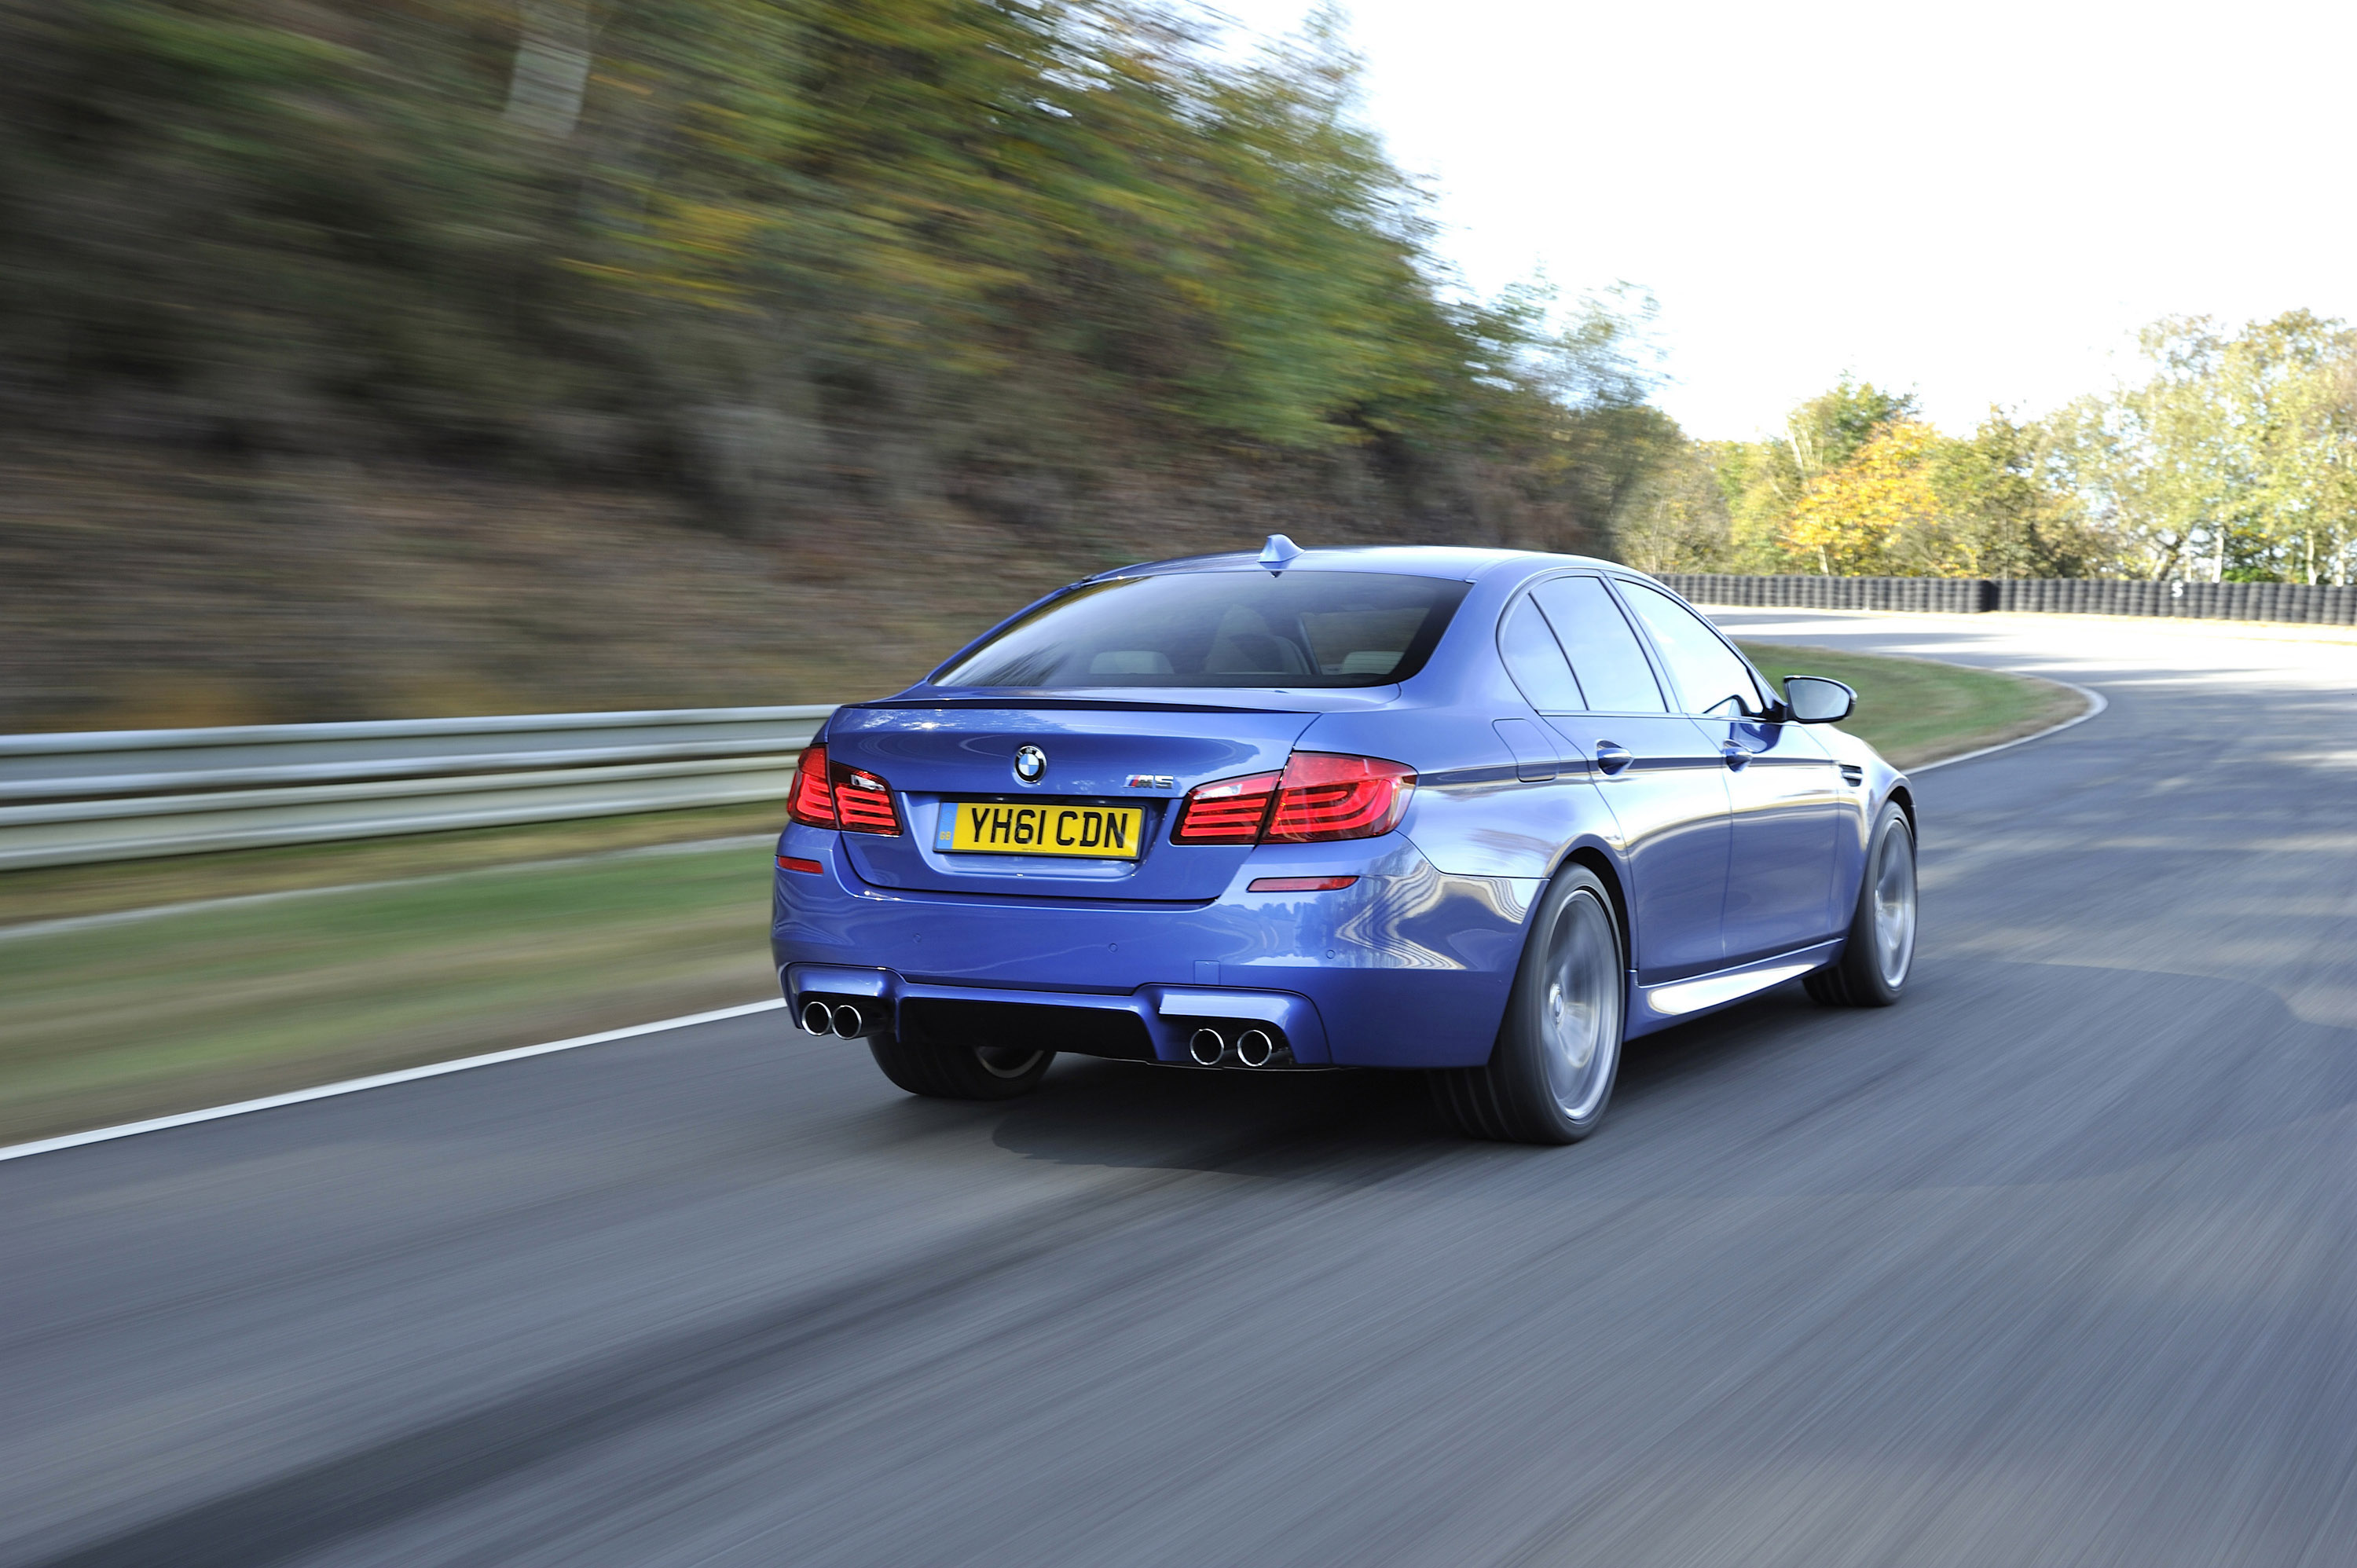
818 1018
848 1022
1206 1048
1255 1048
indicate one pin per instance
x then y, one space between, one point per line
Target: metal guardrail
77 798
74 798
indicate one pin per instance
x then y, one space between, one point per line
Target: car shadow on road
1280 1125
1990 1073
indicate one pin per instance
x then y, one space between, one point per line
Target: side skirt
1652 1007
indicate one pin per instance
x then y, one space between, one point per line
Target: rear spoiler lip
1251 700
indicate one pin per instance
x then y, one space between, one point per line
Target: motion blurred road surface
2054 1263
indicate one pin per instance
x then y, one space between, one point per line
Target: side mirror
1814 700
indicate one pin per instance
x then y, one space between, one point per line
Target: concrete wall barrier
2315 604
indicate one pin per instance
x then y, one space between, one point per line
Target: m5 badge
1153 781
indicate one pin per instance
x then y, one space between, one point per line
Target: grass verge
472 941
117 1022
1915 711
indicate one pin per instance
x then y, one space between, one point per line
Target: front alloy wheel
1880 952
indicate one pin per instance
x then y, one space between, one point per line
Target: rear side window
1605 655
1709 675
1221 628
1534 660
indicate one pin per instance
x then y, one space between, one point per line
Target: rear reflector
789 863
1319 796
1298 884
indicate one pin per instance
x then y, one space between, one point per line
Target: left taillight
811 804
1321 795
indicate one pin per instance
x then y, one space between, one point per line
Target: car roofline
1460 562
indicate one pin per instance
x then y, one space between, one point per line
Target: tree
2001 511
1852 520
802 257
1676 520
1763 481
1858 484
2235 457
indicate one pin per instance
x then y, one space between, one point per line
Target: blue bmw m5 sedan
1486 814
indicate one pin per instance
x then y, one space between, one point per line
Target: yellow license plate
1099 833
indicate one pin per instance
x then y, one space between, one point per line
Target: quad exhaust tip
1206 1048
848 1022
1255 1048
818 1018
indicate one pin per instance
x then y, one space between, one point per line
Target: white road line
354 1085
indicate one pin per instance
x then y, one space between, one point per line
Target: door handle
1613 758
1736 754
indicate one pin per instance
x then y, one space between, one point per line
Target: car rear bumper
1153 1023
1405 967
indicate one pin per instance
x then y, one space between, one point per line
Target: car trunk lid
1095 756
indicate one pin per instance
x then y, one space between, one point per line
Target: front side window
1221 628
1710 675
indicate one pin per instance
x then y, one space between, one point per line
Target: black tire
1570 995
1879 953
960 1072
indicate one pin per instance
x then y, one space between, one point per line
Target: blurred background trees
423 356
806 258
2235 458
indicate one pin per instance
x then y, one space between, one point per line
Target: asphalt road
2056 1262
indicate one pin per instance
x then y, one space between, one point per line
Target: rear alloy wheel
1550 1075
1880 953
960 1072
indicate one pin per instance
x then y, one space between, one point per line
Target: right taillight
1319 796
812 803
1328 797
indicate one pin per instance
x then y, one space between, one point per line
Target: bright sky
1981 201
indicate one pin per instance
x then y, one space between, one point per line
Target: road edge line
377 1081
2096 703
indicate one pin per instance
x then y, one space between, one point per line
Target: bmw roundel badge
1030 764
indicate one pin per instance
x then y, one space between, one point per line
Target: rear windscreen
1221 628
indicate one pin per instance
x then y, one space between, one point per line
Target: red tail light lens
811 804
1232 811
1327 797
837 795
1319 797
863 802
